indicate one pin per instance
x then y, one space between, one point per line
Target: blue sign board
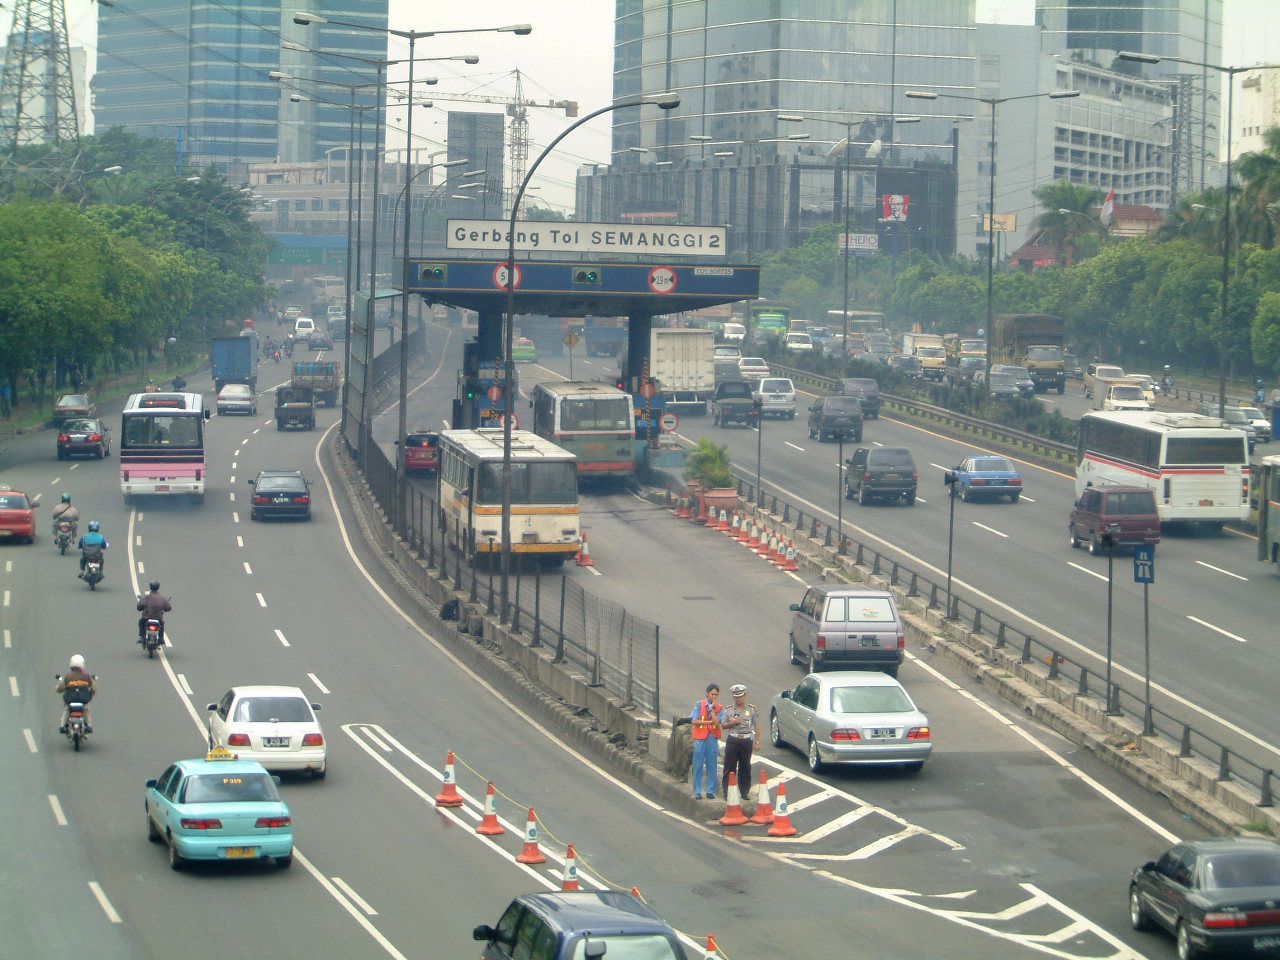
1144 563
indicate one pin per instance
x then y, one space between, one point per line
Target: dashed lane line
1210 566
319 686
1210 626
1092 573
59 817
262 601
96 889
989 529
31 740
280 635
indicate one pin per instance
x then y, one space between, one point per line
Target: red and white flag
1108 208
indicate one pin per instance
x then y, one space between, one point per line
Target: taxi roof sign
220 753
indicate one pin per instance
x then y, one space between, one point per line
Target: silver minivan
777 397
841 627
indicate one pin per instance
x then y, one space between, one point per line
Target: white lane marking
921 500
1204 623
337 894
262 601
31 740
8 639
1071 563
319 686
259 428
8 566
186 687
594 572
1026 498
989 529
793 446
6 598
239 541
1210 566
377 740
279 634
233 464
59 817
233 478
245 440
939 466
55 481
237 453
232 495
74 466
248 569
141 569
235 517
876 443
141 516
13 687
103 902
355 897
137 541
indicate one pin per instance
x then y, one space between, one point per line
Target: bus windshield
552 482
611 413
162 430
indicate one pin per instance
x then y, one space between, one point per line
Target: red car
17 515
84 435
421 451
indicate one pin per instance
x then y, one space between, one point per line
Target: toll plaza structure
638 291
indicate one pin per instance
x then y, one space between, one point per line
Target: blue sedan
219 808
987 477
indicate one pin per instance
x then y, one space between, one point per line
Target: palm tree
1068 214
1259 178
1196 216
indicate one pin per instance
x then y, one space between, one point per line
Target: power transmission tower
37 93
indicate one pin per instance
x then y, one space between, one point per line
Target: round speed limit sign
669 422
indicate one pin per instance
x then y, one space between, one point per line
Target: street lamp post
841 487
508 365
991 102
951 479
1223 326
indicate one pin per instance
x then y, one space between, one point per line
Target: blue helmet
93 526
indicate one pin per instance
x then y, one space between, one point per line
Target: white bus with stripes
544 495
1197 467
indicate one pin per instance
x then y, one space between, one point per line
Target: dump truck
1034 341
295 407
234 360
929 348
322 376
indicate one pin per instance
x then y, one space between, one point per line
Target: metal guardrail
1189 742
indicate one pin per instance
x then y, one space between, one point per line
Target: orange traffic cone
765 539
712 950
779 556
583 559
531 853
781 826
744 532
753 541
733 815
723 525
570 881
735 528
489 825
790 563
682 508
448 795
764 810
635 892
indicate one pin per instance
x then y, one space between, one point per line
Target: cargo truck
295 407
1034 341
682 362
322 376
929 348
604 336
234 360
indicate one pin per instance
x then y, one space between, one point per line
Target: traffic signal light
433 272
586 276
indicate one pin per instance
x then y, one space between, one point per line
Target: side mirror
315 706
151 783
794 606
35 502
785 695
395 443
249 481
482 932
275 778
208 414
212 706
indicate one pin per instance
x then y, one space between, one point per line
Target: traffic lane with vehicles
1016 545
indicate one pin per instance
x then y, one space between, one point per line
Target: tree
1259 179
1066 231
1265 337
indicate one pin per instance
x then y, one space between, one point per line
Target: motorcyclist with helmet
154 606
93 544
1259 393
65 511
76 686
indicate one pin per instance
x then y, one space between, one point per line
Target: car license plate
868 642
162 488
1206 503
1266 943
279 499
241 853
889 476
79 437
275 741
881 733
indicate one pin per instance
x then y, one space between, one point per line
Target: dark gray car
836 417
867 390
883 473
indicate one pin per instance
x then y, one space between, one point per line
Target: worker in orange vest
705 719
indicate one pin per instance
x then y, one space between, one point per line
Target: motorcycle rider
1259 393
154 606
65 511
1166 381
179 384
76 686
93 544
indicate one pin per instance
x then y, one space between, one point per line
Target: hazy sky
569 56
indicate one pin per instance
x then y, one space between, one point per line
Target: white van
303 327
733 333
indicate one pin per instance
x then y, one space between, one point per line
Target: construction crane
518 133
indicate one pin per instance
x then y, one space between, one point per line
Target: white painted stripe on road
233 478
186 687
239 541
8 639
13 687
31 740
55 481
8 566
262 601
232 495
233 464
6 598
939 466
1071 563
337 894
235 517
245 440
141 568
921 500
868 850
279 633
103 902
355 897
259 428
989 529
74 466
1216 629
237 453
377 740
1210 566
141 516
248 569
806 802
319 686
137 541
59 817
793 446
1026 498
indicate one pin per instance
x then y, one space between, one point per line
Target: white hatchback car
276 726
752 368
237 398
777 396
303 327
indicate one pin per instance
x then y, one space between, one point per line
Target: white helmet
76 662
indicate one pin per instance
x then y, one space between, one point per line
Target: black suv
886 473
865 389
832 417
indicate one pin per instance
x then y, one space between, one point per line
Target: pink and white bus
162 446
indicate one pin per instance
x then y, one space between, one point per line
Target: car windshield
869 700
1257 868
229 788
79 426
735 390
1234 415
931 352
1018 373
280 484
1044 354
618 946
1001 380
13 501
991 465
859 610
1253 413
604 413
273 709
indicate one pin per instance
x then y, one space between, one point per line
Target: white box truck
684 366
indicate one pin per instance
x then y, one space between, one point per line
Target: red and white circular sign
662 280
494 393
647 390
500 276
669 422
515 421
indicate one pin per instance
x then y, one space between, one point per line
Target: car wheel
913 766
815 761
1071 536
1186 950
152 833
892 671
1013 497
254 515
284 863
965 495
1095 545
319 774
858 437
864 498
848 493
62 454
1137 912
775 729
911 498
795 654
176 860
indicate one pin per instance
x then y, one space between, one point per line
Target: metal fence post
657 672
537 606
1267 799
515 611
1026 648
1184 745
560 632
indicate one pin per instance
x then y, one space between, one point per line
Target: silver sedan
851 717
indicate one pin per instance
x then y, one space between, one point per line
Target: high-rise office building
195 71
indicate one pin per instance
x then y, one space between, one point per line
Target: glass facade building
196 72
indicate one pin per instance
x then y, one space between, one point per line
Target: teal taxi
219 808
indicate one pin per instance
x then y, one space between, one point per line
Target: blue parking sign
1144 563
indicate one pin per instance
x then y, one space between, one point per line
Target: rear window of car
419 440
869 700
235 390
74 400
229 788
280 484
843 404
776 386
1258 869
862 385
79 426
993 464
1137 502
859 610
269 709
888 457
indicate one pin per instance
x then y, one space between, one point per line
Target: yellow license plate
162 488
241 853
